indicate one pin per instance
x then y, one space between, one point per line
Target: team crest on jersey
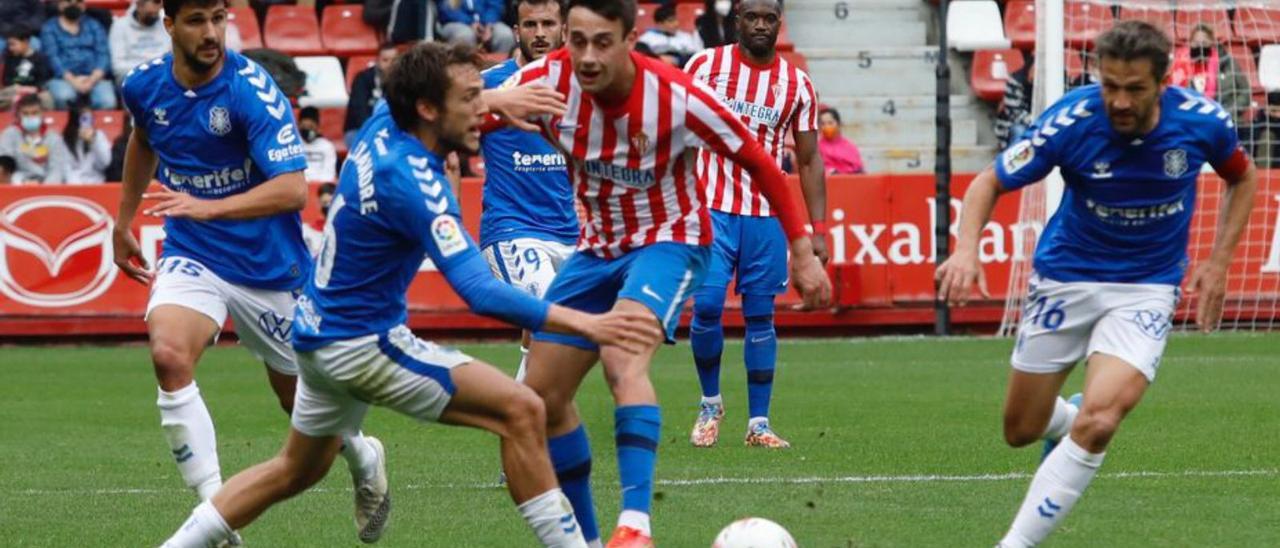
778 90
448 235
160 116
1175 163
1018 155
219 121
640 142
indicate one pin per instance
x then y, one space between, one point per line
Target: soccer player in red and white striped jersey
630 133
772 97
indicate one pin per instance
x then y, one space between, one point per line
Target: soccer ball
754 533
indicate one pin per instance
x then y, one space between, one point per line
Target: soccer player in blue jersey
393 208
528 225
1109 263
224 140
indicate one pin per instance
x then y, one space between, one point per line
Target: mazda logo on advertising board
55 251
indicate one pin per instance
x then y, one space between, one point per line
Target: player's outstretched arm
281 194
139 167
1209 280
962 269
514 105
813 183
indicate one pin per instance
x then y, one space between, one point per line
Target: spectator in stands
366 91
1015 110
77 47
115 171
137 37
1264 134
313 232
475 23
322 157
667 41
18 15
1205 66
839 155
717 25
88 149
38 152
7 167
26 70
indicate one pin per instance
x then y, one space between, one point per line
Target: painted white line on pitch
917 478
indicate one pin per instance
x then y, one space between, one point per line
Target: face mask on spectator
722 7
830 132
31 124
72 12
309 135
1199 53
148 20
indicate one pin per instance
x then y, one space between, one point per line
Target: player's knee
525 414
1021 432
174 365
1095 427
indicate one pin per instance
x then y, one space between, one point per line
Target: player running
630 131
1110 260
231 163
771 96
528 225
393 208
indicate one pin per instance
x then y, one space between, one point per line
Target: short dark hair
418 74
172 7
326 188
1135 40
309 113
8 164
1273 98
27 100
22 32
828 110
665 12
613 10
388 45
562 8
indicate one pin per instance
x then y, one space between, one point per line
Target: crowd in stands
63 62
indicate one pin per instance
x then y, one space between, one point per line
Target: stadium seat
1269 67
987 78
1020 23
356 65
796 58
247 23
331 121
1256 26
687 14
325 82
476 163
108 4
644 17
1084 22
293 30
111 122
1158 14
1186 21
784 38
55 119
345 32
1244 59
1074 63
975 25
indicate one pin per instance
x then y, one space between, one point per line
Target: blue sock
571 457
637 428
760 351
706 336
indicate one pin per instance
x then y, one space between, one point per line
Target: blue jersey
392 209
220 139
527 193
1126 208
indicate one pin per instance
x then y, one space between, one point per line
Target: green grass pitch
896 443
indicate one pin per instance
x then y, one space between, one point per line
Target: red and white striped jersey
632 164
771 100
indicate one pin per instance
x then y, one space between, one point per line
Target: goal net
1246 47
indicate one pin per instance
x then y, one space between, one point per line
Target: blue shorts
661 276
755 247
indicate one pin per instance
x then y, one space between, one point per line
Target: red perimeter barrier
57 278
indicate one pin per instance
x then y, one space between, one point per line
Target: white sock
205 527
551 517
524 360
189 430
635 519
1064 415
595 544
756 420
713 400
361 459
1059 482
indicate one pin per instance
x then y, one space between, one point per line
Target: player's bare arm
516 104
813 183
140 162
1209 280
633 332
957 276
281 194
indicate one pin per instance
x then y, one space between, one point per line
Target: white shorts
1063 323
528 264
395 370
263 318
